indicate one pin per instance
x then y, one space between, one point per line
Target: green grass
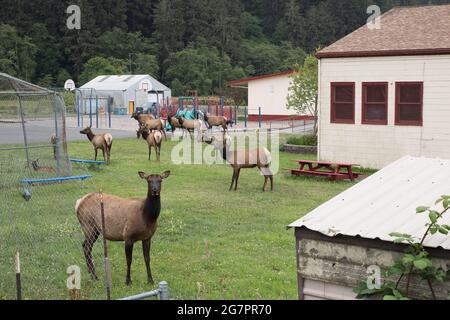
210 243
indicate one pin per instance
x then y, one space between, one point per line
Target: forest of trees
187 44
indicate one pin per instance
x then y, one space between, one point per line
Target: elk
101 141
155 124
38 168
243 159
190 125
217 121
174 123
142 117
154 140
128 220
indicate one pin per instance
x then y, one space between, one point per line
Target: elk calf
100 141
217 121
127 220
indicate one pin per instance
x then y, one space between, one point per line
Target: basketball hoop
69 85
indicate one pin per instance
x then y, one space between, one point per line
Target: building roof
386 202
245 81
122 82
418 30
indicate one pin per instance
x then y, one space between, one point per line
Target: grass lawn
210 243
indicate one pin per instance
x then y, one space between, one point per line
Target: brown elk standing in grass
243 159
154 140
100 141
217 121
128 220
190 125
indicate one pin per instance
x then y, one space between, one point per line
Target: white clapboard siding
377 145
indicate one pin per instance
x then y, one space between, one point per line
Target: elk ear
165 174
143 175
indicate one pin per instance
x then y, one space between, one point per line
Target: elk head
154 181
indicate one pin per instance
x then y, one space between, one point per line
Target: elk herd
135 219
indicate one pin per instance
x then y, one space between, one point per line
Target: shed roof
386 202
244 81
121 82
404 31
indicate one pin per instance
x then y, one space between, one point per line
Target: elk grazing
242 159
100 141
128 220
217 121
190 125
154 140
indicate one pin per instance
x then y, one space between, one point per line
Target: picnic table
331 170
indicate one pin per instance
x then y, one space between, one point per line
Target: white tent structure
141 90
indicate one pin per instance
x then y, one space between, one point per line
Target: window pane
343 93
376 93
344 111
410 112
376 112
410 93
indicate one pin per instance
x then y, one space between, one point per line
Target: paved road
40 131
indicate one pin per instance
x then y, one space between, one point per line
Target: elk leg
149 151
129 255
237 178
232 179
146 245
158 153
271 183
164 132
265 183
95 153
87 248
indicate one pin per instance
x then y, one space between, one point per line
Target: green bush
306 140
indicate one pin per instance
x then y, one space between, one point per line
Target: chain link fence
38 191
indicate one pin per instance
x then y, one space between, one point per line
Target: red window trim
364 106
399 122
332 109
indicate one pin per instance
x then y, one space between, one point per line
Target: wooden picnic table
334 171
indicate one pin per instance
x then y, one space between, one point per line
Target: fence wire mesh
38 191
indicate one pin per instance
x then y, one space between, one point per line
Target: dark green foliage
305 140
240 38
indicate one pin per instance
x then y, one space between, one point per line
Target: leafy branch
415 260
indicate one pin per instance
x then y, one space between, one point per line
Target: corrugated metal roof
122 82
386 202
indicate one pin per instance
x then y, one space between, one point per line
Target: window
408 103
343 102
374 102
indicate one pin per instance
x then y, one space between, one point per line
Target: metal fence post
223 105
164 291
109 111
235 115
96 112
259 116
245 117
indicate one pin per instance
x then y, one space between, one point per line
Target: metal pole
90 110
105 251
58 138
18 280
231 117
259 118
235 115
109 111
96 112
223 105
77 102
24 130
209 105
245 117
164 291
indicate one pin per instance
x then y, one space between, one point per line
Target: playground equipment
95 106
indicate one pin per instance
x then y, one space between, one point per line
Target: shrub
306 140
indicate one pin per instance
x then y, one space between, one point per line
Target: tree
146 64
303 95
102 66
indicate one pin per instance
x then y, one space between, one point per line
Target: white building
269 92
339 240
385 93
126 90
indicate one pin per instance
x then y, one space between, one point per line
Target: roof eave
382 53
